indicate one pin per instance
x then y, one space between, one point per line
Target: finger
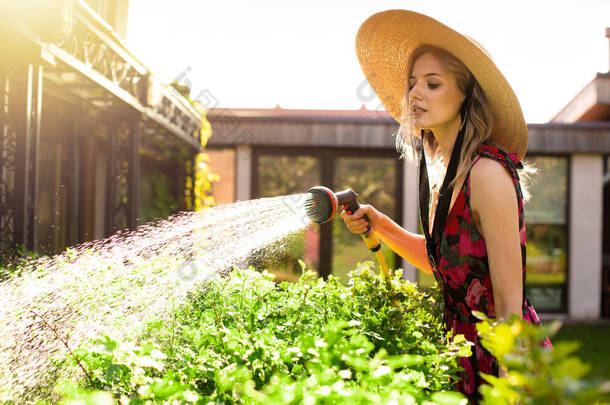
359 212
348 219
348 215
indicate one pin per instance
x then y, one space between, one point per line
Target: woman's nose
414 93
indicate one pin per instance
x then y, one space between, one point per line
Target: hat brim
385 43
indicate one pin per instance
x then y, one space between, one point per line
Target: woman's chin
420 126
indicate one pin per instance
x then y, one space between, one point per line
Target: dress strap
510 160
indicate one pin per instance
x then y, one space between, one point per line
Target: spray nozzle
322 203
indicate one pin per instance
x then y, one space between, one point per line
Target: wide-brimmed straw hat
385 43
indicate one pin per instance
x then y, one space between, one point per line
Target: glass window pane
284 175
549 191
374 180
280 175
546 224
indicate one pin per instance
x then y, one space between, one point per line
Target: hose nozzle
322 203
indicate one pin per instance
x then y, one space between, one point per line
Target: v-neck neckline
432 212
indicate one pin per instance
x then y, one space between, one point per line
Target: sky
257 54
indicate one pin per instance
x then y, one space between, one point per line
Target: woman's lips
417 110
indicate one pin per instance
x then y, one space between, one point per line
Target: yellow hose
382 264
373 243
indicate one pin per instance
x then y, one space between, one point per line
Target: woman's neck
445 137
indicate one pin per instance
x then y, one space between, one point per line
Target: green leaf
449 398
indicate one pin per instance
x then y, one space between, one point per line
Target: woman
460 117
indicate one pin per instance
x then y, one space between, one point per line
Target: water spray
116 286
321 206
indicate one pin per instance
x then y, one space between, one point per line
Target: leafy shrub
13 261
536 374
247 339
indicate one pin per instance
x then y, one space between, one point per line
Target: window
547 238
280 175
55 195
374 179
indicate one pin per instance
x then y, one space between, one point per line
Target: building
90 141
568 218
592 105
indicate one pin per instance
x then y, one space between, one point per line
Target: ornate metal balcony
86 56
68 79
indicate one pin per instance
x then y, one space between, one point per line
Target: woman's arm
408 245
494 201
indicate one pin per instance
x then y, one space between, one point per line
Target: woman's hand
411 246
357 224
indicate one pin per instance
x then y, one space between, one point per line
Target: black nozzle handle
348 199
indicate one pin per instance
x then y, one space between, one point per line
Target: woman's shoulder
492 192
493 178
487 173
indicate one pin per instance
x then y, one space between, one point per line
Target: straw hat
385 43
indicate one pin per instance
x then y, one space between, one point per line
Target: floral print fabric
463 274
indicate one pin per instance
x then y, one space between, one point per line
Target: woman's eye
433 85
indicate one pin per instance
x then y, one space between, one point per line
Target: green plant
594 350
536 374
246 338
14 261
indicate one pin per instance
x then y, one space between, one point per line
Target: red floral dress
463 274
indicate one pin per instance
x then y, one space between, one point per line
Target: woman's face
434 95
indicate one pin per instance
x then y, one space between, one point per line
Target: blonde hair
477 126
